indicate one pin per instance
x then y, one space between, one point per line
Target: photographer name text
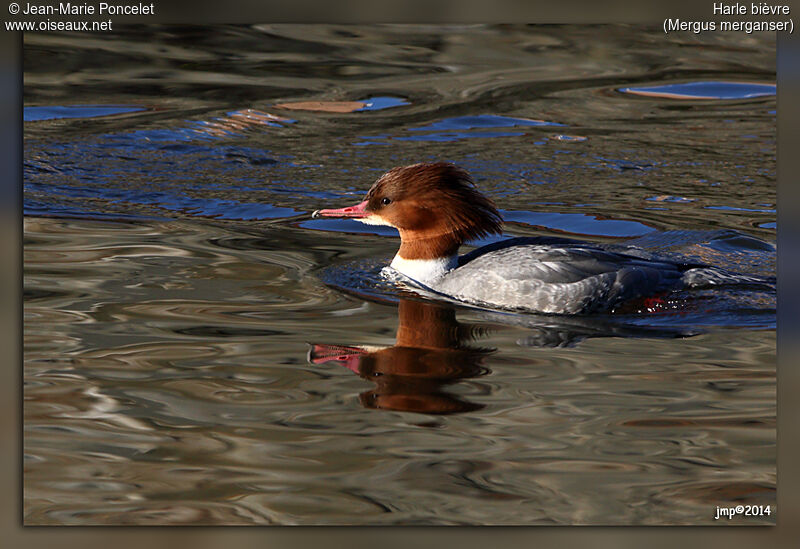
102 8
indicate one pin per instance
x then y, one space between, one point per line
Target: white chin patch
374 220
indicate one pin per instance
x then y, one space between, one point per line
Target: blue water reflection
705 90
380 103
54 112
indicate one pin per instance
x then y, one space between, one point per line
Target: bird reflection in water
430 353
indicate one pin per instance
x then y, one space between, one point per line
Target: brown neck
415 246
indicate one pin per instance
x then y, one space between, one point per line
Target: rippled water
199 351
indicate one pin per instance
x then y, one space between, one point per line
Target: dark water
199 351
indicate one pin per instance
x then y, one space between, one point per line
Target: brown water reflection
429 354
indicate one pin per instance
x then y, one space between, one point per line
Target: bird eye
386 201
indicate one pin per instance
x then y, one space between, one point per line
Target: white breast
425 271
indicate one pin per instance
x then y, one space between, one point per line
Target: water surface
199 351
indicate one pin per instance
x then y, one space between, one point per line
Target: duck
436 208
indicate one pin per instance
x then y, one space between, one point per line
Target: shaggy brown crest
436 207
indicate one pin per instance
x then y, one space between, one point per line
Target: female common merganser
436 208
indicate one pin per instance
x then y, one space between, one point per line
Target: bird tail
703 277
